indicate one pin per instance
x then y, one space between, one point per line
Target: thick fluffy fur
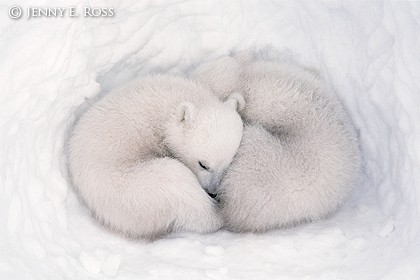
134 156
299 156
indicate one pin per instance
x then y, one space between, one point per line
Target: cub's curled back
299 156
141 156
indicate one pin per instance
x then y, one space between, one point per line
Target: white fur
299 156
133 156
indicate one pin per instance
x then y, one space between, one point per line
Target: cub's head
206 138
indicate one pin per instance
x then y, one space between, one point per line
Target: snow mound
50 67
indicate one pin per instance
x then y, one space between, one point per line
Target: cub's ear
236 101
185 112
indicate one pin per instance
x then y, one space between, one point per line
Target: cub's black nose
214 196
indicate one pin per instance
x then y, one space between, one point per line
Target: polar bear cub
141 156
299 156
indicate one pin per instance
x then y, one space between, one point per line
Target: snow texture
50 67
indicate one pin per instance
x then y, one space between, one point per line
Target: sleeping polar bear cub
140 156
299 156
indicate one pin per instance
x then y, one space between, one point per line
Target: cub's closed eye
203 166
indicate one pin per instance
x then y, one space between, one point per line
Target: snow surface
49 68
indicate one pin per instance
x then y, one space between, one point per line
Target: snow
50 67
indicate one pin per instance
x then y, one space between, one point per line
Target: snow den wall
50 67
